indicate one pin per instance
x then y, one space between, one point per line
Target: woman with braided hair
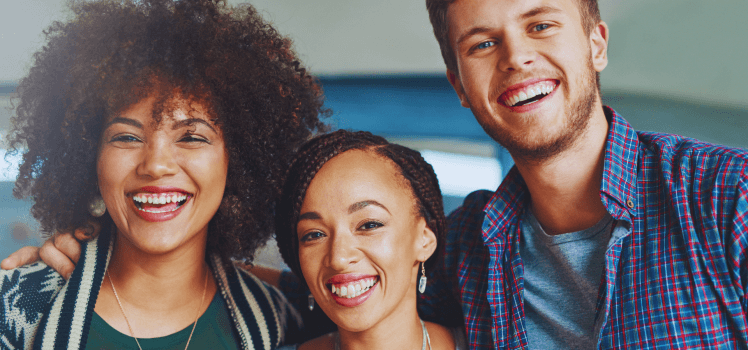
360 220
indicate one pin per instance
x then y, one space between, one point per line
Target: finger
56 259
68 245
23 256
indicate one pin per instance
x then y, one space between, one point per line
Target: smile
528 94
157 203
353 289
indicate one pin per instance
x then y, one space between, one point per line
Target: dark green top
214 330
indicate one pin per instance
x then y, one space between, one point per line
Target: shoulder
326 341
443 338
470 212
680 149
25 296
700 167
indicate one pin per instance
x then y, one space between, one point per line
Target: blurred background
674 66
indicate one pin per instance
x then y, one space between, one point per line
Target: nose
517 55
343 252
158 161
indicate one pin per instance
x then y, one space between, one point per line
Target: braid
316 152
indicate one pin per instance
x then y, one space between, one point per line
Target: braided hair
316 152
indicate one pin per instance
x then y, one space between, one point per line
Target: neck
161 293
565 189
157 278
399 330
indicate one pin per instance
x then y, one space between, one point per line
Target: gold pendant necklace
205 288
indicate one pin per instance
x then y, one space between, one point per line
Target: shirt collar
618 183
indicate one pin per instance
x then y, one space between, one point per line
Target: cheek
310 261
209 170
112 169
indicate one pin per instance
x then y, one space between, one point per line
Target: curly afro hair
113 54
419 174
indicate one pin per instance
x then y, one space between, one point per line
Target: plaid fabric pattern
678 280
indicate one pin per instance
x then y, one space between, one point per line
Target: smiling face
526 68
361 241
162 182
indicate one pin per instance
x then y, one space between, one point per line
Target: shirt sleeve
740 234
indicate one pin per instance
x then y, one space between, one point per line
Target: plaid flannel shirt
678 280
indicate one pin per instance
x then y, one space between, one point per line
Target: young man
602 237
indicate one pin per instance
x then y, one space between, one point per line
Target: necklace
205 288
426 338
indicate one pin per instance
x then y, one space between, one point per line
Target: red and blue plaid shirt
678 280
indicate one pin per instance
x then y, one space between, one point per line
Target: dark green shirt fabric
213 331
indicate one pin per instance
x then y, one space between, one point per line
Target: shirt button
630 204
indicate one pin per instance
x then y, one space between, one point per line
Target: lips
160 203
527 93
353 289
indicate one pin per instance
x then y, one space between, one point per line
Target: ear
454 80
425 242
599 46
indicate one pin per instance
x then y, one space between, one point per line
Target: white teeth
164 199
352 290
522 96
530 92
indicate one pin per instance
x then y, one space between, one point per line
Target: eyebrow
127 121
363 204
313 215
190 122
540 10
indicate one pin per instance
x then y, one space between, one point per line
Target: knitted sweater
40 310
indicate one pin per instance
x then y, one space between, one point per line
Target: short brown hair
438 15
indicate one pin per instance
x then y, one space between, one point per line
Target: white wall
686 49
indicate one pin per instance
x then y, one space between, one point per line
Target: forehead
466 15
356 174
171 108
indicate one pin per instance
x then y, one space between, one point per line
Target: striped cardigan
40 310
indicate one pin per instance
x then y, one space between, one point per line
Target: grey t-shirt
562 276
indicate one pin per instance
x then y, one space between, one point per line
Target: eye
370 225
540 27
193 138
485 45
311 236
126 138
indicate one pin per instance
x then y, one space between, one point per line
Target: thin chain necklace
426 338
205 288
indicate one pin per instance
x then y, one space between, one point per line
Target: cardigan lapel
66 325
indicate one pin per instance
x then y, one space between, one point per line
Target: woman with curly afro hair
168 124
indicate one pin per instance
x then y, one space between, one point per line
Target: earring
422 281
311 302
96 206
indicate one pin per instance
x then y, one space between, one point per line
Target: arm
61 252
